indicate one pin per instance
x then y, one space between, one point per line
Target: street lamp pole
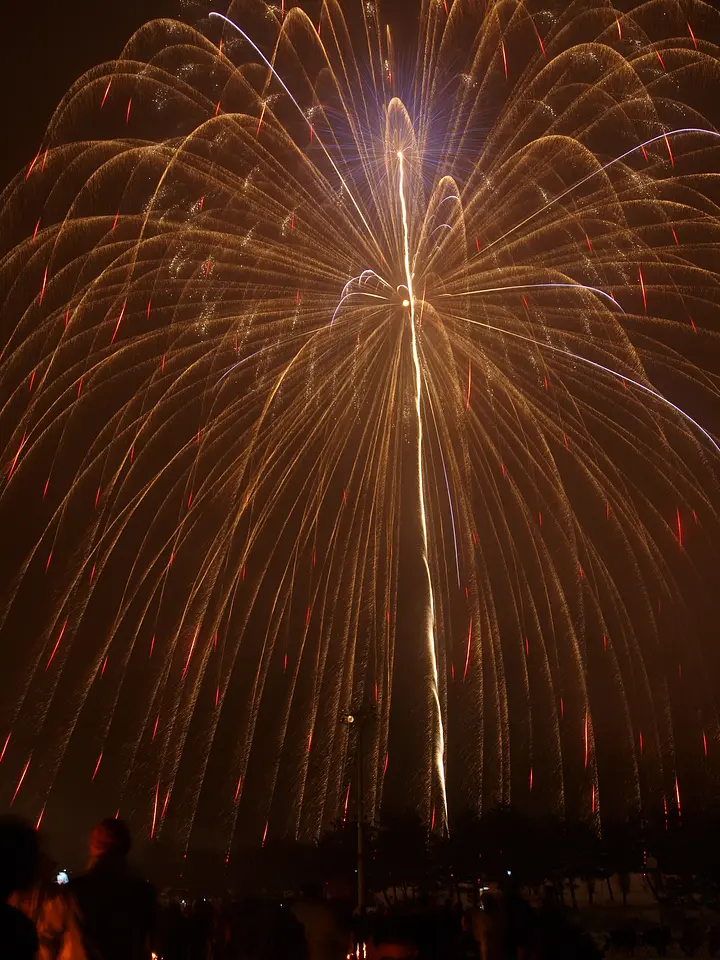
358 720
360 822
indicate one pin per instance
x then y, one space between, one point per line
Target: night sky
46 46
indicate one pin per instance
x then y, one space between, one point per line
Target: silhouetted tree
402 851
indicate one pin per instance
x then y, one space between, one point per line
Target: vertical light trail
440 744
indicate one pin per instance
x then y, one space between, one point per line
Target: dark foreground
108 912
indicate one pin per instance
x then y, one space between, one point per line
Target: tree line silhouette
404 857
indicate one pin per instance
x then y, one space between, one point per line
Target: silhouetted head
312 890
550 895
110 840
489 904
19 856
510 887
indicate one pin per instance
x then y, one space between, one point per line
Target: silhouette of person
107 913
19 863
324 935
519 923
489 929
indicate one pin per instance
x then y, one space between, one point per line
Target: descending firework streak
331 379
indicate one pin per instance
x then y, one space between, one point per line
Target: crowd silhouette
109 912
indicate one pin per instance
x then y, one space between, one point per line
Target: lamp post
356 720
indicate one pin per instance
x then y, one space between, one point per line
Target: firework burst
327 380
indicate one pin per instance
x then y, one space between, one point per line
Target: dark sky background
46 46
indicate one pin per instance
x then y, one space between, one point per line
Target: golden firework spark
328 378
